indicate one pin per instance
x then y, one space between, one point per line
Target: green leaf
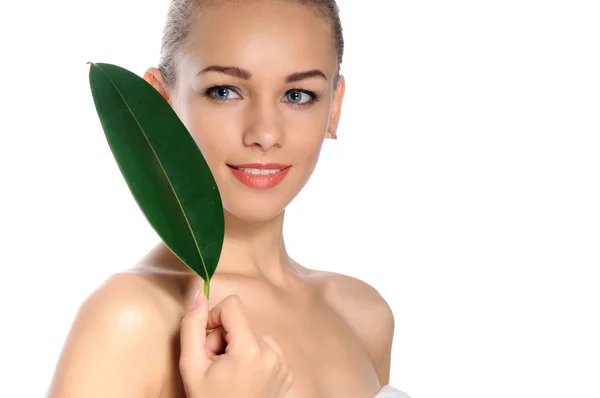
162 165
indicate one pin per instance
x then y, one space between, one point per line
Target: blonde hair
179 24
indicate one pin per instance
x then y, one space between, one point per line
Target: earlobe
154 78
331 134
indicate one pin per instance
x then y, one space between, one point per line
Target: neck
254 248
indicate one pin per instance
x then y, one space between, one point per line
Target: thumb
193 358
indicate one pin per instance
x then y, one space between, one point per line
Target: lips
260 175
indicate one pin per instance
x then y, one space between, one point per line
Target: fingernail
198 299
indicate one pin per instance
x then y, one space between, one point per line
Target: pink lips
260 176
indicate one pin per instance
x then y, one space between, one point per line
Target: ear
154 77
336 108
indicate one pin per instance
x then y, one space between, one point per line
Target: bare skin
335 331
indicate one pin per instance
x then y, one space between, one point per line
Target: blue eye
221 93
295 97
298 97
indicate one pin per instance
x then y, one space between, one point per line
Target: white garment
390 392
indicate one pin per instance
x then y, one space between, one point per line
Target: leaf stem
207 288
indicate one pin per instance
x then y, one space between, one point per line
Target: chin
259 205
261 209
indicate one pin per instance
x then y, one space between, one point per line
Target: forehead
277 37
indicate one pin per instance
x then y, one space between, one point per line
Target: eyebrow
294 77
246 75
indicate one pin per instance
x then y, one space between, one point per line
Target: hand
230 361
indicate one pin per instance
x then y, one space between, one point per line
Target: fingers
215 342
272 344
230 314
289 382
274 353
225 330
193 358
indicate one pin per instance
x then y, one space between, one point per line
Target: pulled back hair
180 17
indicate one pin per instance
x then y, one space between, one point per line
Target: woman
257 84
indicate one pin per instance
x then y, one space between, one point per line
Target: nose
264 126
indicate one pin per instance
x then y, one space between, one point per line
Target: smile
261 172
260 176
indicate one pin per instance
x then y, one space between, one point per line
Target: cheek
209 132
306 134
308 144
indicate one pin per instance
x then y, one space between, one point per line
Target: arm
381 343
114 346
371 318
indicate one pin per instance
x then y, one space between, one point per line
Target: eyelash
314 96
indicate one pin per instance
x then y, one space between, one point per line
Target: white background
465 186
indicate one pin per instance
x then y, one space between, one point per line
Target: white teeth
259 171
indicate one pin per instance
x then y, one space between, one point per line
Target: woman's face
256 90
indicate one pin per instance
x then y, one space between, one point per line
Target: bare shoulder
368 313
361 303
119 342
